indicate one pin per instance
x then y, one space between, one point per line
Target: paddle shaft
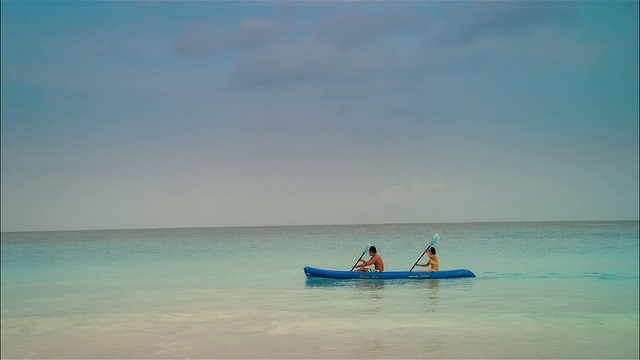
360 258
417 261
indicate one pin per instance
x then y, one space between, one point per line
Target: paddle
360 258
434 240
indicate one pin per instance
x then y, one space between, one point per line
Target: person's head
372 250
431 251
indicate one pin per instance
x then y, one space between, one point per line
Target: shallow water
543 290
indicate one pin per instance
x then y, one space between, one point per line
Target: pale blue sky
183 114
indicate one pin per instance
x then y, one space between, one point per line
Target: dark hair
433 250
373 250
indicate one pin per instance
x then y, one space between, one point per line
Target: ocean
544 290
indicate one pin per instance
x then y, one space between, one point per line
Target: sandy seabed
251 334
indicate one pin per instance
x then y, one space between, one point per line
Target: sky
159 114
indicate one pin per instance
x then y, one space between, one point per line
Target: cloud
201 41
352 44
282 49
468 23
352 28
211 39
316 61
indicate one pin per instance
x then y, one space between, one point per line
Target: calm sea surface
543 290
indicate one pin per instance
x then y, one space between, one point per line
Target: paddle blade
434 240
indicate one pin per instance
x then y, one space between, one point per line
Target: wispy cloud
469 22
204 40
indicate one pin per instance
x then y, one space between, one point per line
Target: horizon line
338 224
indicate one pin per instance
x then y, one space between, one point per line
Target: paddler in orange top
375 260
433 260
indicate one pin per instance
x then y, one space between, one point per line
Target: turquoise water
543 290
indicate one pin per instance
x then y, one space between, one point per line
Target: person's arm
425 265
370 262
366 263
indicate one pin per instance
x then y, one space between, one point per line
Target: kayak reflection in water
375 260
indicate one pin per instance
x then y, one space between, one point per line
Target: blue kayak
411 275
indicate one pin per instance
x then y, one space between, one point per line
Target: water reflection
432 294
429 291
434 285
433 347
378 349
369 290
369 284
376 284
